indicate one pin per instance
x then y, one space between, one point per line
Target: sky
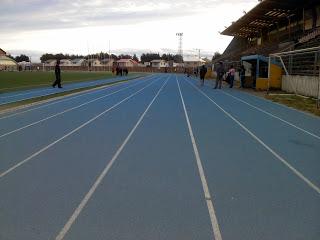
35 27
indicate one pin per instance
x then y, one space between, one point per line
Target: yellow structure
274 80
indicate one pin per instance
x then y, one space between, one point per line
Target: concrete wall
303 85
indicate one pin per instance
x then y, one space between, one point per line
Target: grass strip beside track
38 100
306 104
13 81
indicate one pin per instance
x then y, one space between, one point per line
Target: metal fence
301 69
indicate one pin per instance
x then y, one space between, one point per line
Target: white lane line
212 214
67 110
295 171
70 133
272 115
93 91
88 196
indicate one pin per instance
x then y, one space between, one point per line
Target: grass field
14 81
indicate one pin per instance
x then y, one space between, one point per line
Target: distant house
193 62
158 63
50 62
94 62
7 63
66 62
107 62
147 64
127 63
24 65
79 62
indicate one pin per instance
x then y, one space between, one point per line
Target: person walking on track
231 73
220 72
203 71
57 72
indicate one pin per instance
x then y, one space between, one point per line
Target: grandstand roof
265 16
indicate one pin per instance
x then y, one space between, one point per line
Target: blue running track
159 158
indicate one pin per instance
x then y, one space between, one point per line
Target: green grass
302 103
14 81
43 98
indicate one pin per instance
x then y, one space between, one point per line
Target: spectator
220 72
203 71
231 73
57 72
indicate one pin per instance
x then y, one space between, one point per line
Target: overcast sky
35 27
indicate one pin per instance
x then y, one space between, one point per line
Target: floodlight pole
109 58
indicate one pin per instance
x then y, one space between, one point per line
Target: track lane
299 149
23 146
256 197
41 195
153 191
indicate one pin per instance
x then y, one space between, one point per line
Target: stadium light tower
199 52
180 40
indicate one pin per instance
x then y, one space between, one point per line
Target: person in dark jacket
57 72
203 71
220 72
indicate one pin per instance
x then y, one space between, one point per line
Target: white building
107 62
193 62
79 62
127 63
159 63
95 62
65 62
24 65
50 63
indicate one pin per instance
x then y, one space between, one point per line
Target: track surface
16 96
159 158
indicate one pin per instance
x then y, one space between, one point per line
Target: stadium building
273 27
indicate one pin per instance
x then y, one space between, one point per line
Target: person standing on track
231 73
203 71
220 72
57 72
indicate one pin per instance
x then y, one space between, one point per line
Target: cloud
26 15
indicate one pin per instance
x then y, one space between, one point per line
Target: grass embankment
37 100
15 81
305 104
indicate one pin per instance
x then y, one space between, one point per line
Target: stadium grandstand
274 27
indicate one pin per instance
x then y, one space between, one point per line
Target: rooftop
266 15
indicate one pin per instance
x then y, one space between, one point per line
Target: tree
177 58
125 56
216 56
22 58
9 56
135 58
148 57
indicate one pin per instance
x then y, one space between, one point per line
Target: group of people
120 71
222 74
